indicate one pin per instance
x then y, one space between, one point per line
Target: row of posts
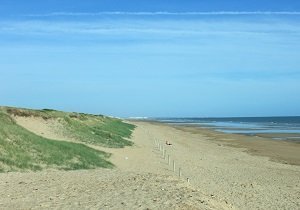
162 149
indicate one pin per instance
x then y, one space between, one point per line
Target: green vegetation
92 129
22 150
105 132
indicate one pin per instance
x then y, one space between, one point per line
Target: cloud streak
169 28
164 13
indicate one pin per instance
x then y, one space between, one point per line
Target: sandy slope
224 177
51 128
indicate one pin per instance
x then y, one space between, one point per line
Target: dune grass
22 150
92 129
104 132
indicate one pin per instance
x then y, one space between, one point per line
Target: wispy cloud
152 28
164 13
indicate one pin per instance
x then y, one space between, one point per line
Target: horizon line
154 118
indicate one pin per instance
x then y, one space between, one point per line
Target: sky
152 58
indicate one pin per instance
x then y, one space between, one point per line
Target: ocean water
278 128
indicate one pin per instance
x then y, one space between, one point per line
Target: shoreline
236 171
281 151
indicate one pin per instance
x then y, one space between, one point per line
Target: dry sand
221 177
98 189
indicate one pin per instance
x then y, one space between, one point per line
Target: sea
277 128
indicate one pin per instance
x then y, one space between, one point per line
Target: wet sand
287 152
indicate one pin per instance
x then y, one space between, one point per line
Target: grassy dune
22 150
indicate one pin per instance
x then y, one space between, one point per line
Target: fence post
174 165
179 172
168 159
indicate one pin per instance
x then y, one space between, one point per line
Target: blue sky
152 58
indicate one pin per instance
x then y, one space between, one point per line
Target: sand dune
50 128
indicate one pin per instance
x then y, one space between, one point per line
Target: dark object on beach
168 143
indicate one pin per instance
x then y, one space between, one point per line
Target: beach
150 105
225 172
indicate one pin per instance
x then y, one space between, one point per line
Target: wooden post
179 172
168 159
174 165
165 154
188 180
